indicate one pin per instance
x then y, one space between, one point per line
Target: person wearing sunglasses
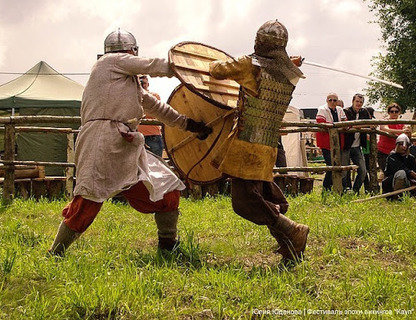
330 113
386 144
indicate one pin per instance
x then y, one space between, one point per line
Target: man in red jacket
329 113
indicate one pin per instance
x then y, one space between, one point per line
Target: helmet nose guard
120 40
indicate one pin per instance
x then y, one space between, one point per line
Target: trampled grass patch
360 258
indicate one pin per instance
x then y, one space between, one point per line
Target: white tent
292 143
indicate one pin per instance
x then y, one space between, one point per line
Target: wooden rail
346 127
37 163
15 124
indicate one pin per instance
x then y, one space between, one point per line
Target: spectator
152 135
340 103
400 166
412 149
386 144
329 113
366 153
355 141
281 155
411 135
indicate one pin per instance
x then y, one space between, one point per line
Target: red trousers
80 212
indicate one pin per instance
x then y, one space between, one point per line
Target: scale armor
261 116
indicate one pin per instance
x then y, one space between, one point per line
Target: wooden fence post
303 155
9 151
69 171
374 187
336 160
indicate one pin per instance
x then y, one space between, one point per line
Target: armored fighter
267 79
110 156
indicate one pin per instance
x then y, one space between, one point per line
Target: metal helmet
120 40
271 35
404 139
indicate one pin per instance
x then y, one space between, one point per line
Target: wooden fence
16 124
13 125
347 126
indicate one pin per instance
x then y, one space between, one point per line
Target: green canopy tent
41 91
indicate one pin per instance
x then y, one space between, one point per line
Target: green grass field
360 259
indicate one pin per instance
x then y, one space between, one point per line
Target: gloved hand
198 127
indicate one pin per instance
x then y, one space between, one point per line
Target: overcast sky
68 34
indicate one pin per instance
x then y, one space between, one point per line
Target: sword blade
396 85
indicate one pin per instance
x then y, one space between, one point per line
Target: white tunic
105 162
157 177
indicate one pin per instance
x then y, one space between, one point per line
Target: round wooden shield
190 62
191 156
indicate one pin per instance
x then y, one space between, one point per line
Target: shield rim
190 86
183 174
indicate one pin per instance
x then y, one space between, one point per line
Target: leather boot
291 237
166 229
64 237
168 244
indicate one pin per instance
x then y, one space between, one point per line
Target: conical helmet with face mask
120 40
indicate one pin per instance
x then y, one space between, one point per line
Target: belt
128 136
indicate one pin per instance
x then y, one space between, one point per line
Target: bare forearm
388 130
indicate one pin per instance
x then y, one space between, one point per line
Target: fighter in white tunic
110 156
